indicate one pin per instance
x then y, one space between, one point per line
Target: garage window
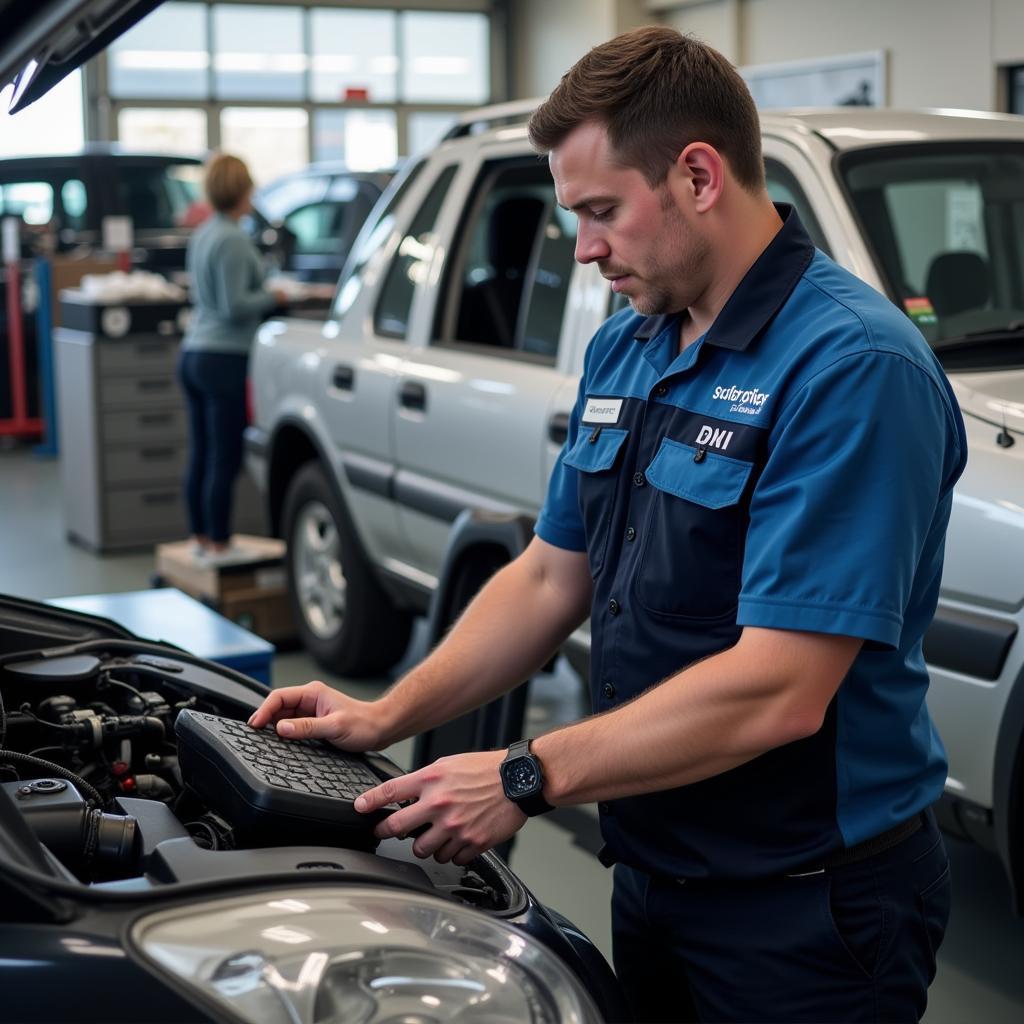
402 76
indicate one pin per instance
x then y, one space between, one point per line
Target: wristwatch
523 779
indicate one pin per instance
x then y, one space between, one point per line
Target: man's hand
315 710
460 798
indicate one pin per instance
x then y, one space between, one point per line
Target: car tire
345 619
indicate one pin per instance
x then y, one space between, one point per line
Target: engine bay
90 758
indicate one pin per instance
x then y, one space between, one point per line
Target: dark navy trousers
214 386
849 943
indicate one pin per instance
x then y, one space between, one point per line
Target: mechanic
751 505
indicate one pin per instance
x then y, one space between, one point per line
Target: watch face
521 777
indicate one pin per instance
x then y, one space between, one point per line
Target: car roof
96 149
842 127
859 127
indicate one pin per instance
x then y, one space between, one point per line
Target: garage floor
979 977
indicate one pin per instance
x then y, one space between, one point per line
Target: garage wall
549 37
940 52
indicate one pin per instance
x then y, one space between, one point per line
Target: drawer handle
166 498
157 453
156 417
154 385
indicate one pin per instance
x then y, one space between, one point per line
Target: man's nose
590 245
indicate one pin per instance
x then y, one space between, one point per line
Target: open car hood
42 41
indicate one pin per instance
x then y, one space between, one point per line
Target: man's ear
698 176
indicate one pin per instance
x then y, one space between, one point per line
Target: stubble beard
672 282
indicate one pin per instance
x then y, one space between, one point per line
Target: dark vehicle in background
308 220
69 195
126 895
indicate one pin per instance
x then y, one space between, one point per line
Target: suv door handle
343 378
558 427
413 395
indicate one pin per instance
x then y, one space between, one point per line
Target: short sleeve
560 522
854 491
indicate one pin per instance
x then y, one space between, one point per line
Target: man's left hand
460 798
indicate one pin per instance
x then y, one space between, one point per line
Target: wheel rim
316 568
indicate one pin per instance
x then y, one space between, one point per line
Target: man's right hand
317 711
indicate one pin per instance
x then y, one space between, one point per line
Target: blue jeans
851 943
214 386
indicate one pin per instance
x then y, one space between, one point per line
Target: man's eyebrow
589 201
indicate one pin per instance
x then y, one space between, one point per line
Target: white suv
405 443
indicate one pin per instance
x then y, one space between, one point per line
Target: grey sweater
227 288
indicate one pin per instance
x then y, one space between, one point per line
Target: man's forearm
507 633
706 720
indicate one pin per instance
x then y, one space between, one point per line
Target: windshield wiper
1010 332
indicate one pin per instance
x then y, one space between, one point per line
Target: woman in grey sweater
229 301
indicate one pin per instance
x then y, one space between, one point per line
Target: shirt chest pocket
596 455
692 555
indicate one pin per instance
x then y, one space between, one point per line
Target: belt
869 848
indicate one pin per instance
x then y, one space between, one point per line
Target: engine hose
13 757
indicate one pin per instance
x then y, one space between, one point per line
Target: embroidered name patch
602 410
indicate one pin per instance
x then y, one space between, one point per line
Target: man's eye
605 214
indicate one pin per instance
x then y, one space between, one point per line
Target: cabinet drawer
138 391
145 464
145 425
152 513
146 355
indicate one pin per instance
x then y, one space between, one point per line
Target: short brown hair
656 91
227 181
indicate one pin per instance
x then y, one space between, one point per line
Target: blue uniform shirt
791 469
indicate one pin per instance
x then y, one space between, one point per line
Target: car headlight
360 955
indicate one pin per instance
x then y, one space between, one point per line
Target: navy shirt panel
791 469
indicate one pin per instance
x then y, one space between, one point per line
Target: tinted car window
371 237
30 201
946 224
414 252
75 202
157 195
316 227
499 251
277 201
548 286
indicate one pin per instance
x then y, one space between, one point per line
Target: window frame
103 107
446 312
450 170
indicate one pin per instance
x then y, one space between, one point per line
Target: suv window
75 202
391 317
157 195
31 201
316 227
946 224
371 237
508 281
545 304
784 188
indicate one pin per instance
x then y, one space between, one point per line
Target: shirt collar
761 293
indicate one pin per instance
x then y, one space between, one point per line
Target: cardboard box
252 592
265 613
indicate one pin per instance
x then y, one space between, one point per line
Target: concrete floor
980 976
